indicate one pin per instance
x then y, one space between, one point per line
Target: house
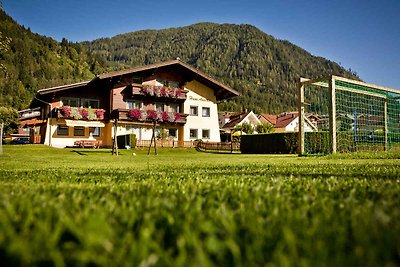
268 118
239 119
287 122
172 95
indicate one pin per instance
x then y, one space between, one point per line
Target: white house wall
294 126
199 122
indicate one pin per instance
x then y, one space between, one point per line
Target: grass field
68 207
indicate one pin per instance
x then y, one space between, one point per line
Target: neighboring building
268 118
239 119
289 122
181 99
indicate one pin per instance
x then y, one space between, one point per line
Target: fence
231 147
166 143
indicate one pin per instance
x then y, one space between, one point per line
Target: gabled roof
270 118
221 91
284 119
237 118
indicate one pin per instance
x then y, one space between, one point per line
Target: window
172 132
206 134
70 101
159 106
79 131
95 131
83 102
173 84
193 133
133 104
193 110
173 107
205 112
62 130
90 103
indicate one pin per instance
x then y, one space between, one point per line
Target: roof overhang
61 88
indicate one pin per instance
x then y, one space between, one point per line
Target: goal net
342 115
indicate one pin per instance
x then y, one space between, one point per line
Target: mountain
33 62
264 69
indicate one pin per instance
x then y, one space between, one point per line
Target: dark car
20 141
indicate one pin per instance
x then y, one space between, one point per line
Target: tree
264 128
4 46
9 117
4 43
245 127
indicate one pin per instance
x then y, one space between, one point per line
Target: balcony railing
149 116
159 91
75 113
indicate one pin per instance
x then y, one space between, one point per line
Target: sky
361 35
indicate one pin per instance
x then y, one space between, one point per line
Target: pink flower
152 115
178 92
164 91
134 114
177 116
66 111
99 112
165 116
84 113
145 89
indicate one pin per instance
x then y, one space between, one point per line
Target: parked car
20 141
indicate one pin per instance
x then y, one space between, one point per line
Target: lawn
67 207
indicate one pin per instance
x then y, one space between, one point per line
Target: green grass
69 207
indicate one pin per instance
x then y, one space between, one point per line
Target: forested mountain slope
265 70
33 62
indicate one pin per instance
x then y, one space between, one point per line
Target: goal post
346 116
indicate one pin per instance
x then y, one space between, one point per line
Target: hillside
33 62
265 70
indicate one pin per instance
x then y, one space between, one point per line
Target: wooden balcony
159 92
74 113
124 115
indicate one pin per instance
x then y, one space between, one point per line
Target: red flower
66 111
152 115
164 91
84 113
99 112
134 114
177 116
165 116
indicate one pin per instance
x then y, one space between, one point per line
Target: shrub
276 143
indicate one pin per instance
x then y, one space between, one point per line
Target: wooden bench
88 143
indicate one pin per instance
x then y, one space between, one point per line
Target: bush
275 143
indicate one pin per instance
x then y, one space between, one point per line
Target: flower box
76 113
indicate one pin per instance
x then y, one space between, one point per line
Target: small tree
264 128
163 134
245 127
9 117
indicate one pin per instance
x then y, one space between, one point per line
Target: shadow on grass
85 152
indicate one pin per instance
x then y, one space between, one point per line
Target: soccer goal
342 115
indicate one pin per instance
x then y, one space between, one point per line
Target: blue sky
363 35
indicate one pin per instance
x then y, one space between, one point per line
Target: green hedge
275 143
284 143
